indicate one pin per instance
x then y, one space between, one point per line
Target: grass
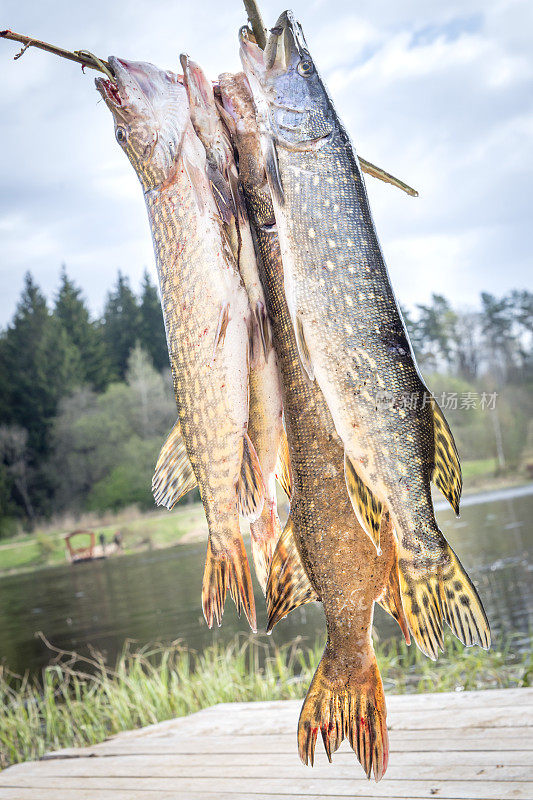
140 530
80 701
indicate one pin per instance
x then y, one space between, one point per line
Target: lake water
155 596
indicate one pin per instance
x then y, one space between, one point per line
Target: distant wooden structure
455 746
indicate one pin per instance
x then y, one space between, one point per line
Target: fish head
292 101
238 112
151 112
203 110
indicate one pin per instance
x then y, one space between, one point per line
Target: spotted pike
323 553
206 313
352 339
265 424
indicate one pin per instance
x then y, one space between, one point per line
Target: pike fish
265 423
323 553
206 314
351 336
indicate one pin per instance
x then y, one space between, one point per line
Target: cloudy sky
439 93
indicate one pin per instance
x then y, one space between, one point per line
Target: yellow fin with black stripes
173 476
447 469
288 585
283 465
368 509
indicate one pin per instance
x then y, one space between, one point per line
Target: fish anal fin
303 349
250 484
283 465
173 476
391 601
264 535
227 568
288 585
272 169
447 469
368 509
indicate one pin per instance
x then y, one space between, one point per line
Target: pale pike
206 313
351 336
323 553
265 423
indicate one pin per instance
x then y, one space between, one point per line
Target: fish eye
306 68
121 135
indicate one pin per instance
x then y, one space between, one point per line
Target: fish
323 553
206 314
352 339
265 419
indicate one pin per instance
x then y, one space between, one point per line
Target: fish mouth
133 80
286 44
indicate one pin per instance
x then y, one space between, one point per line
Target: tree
121 325
152 335
70 310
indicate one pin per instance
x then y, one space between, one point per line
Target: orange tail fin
343 703
227 570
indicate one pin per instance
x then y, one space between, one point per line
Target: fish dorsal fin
447 469
250 484
303 349
272 169
367 507
288 585
391 600
283 465
173 476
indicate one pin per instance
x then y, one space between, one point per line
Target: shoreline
159 530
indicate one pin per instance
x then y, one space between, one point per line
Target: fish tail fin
227 568
250 484
264 534
343 703
444 593
461 605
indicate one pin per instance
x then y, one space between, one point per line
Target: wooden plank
459 790
166 767
473 759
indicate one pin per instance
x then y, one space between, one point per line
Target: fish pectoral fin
288 585
446 473
303 349
250 484
222 326
368 509
262 325
283 465
272 170
173 476
391 600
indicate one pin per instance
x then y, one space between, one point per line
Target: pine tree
86 336
152 330
121 325
40 366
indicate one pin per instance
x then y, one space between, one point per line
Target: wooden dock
475 745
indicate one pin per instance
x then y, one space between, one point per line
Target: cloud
438 93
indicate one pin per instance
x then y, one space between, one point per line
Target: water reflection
156 595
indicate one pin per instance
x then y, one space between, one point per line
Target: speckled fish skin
265 425
339 559
350 331
198 281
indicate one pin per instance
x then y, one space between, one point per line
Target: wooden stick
386 177
82 57
256 21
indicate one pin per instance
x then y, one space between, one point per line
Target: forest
86 403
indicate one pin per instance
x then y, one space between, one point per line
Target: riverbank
80 702
139 531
